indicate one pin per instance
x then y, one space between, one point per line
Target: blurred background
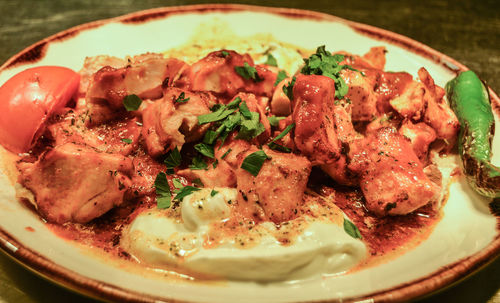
466 30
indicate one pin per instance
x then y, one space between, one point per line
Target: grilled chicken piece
361 93
258 105
220 176
280 103
373 59
389 86
391 175
74 183
439 115
217 73
411 104
168 123
313 109
143 77
420 135
339 170
277 191
92 64
115 137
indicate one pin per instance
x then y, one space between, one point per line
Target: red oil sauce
384 236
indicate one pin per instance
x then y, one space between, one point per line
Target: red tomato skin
28 99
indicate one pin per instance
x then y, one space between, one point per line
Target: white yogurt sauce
158 240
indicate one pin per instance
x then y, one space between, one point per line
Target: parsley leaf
173 158
132 102
163 194
177 183
224 54
126 140
181 98
283 133
226 153
251 128
213 192
248 72
351 229
288 89
205 149
244 110
271 60
326 64
274 120
217 115
198 163
281 76
185 191
253 162
279 147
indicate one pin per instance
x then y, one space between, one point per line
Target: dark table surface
468 31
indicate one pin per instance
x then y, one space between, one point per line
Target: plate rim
437 281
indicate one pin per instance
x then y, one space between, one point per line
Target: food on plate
241 165
470 100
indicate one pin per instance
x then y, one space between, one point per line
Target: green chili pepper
470 101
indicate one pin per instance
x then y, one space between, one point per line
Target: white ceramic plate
465 239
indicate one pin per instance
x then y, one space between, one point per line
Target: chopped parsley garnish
274 121
226 153
173 158
281 75
163 194
326 64
288 89
132 102
213 193
226 118
177 183
181 98
278 147
184 191
271 60
248 72
253 162
205 149
351 229
250 128
198 163
224 54
126 140
244 110
283 133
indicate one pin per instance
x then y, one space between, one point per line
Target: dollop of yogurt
321 246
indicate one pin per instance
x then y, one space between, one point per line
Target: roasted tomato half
28 99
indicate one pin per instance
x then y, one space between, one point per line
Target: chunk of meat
280 103
114 137
389 86
220 176
411 104
373 59
361 93
391 175
217 73
313 109
259 106
143 77
92 64
167 123
420 135
339 170
439 115
277 191
74 183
